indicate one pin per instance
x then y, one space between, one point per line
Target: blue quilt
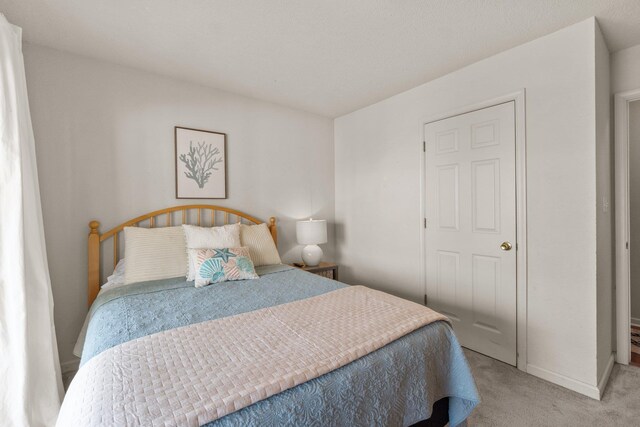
395 385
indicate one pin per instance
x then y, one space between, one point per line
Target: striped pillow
261 246
154 253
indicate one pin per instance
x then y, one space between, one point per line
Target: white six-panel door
470 233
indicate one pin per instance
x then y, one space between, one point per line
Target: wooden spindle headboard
161 218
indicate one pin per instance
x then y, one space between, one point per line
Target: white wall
104 141
604 191
625 70
378 218
634 195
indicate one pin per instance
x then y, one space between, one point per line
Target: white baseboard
70 366
604 379
635 321
578 386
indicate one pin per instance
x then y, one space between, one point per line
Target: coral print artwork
200 164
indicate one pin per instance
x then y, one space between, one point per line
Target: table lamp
311 233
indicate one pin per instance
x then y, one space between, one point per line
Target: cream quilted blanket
195 374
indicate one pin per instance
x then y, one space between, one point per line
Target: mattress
395 385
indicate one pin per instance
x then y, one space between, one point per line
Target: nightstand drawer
329 274
325 269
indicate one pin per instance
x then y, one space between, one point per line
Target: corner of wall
604 192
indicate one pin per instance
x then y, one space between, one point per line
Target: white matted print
201 164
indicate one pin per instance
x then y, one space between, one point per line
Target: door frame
623 237
519 99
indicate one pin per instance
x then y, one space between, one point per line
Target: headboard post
273 229
94 261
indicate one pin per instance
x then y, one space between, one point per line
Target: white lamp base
311 255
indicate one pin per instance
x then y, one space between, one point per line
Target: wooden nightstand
325 269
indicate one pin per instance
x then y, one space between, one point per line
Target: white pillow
154 253
226 236
261 246
117 278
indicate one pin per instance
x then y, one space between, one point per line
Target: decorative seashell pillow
221 265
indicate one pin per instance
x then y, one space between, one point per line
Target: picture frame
200 163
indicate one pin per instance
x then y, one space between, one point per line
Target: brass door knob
506 246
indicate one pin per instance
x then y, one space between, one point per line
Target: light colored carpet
513 398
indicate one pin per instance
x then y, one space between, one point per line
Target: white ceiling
325 56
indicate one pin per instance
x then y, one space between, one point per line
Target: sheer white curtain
30 383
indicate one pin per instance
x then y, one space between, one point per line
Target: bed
154 349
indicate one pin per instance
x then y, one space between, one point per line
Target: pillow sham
226 236
154 253
257 238
117 278
221 265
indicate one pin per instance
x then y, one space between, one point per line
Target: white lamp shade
311 232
